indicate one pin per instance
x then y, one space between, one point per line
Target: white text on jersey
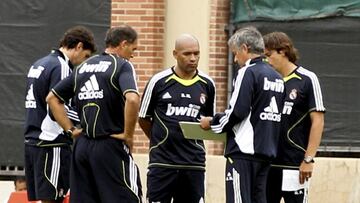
277 86
287 107
191 111
271 113
102 66
91 90
30 102
35 72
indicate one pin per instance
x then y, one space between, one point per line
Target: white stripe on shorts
133 176
55 168
236 187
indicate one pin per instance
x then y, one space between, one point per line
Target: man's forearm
316 130
58 110
131 114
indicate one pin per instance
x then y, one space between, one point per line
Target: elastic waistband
44 143
254 157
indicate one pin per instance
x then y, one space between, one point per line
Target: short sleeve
211 102
315 99
147 101
64 90
127 78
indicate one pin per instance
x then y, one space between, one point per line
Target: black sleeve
239 105
64 90
211 101
127 78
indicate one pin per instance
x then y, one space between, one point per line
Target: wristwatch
309 159
70 131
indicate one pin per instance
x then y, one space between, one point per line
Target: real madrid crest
293 94
202 98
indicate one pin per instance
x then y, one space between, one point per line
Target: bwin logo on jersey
30 102
277 86
102 66
271 113
35 72
91 90
191 111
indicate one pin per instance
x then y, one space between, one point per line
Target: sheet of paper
192 130
290 181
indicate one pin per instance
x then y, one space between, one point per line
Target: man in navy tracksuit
252 120
47 147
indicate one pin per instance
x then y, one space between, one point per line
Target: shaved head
184 40
187 54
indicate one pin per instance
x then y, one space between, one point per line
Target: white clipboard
192 130
290 181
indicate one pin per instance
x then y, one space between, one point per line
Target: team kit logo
271 112
288 105
192 110
35 72
202 98
91 90
30 102
275 86
101 67
293 94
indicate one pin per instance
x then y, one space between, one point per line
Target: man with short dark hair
104 90
47 147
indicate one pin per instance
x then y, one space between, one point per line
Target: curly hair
78 34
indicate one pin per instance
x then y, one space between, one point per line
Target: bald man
179 93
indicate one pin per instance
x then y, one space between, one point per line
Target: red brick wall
148 18
219 18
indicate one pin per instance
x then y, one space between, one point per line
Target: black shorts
47 171
274 192
103 171
246 180
165 185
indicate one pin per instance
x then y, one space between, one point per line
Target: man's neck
287 68
110 51
184 75
67 53
252 56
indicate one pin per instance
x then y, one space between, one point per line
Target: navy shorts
165 185
103 171
275 193
246 180
47 171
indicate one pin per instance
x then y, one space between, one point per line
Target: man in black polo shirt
180 93
106 96
302 123
47 148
